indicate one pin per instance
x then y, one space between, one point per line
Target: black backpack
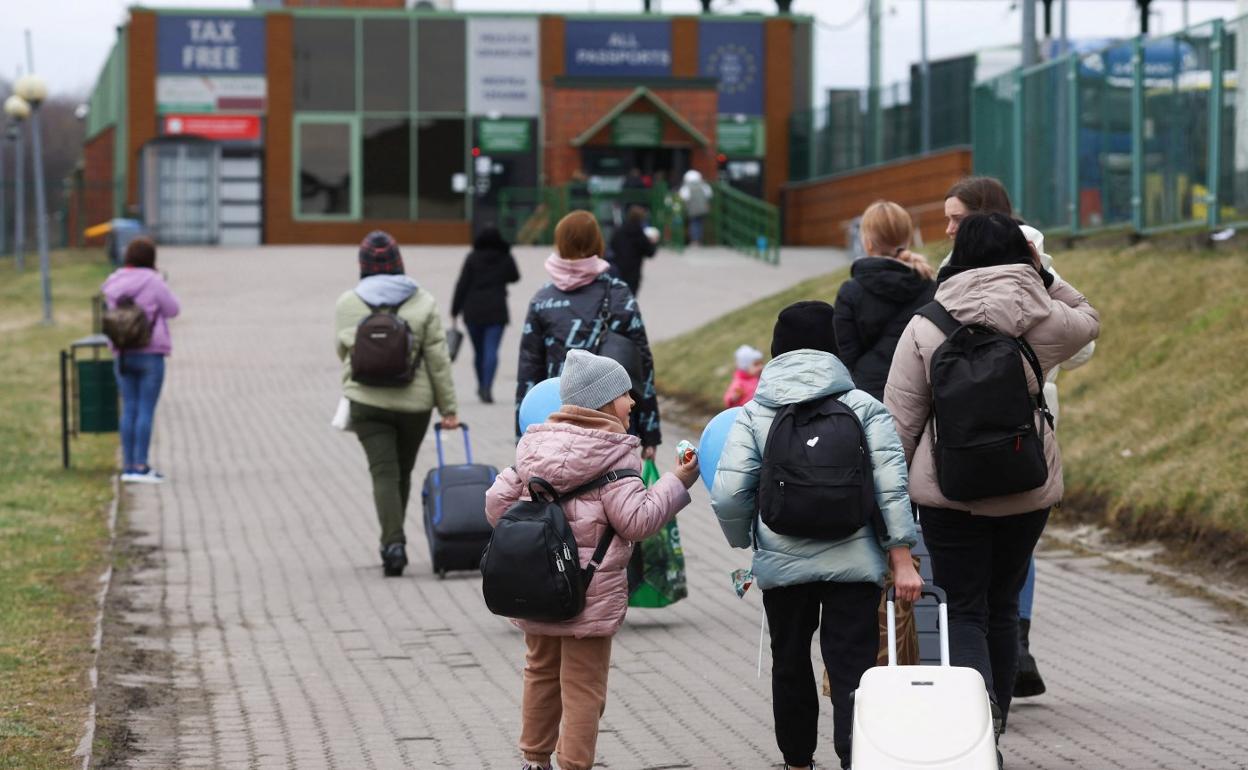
986 440
816 479
126 325
383 354
531 570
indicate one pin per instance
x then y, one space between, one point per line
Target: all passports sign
618 48
210 64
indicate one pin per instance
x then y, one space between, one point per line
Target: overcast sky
72 37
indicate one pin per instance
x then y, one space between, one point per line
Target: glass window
440 48
387 168
440 157
325 169
324 64
387 65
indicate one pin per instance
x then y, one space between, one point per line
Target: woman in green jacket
391 421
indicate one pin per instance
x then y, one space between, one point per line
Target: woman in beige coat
980 549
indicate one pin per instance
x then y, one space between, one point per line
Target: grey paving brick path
290 650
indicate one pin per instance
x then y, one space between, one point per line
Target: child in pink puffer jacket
565 671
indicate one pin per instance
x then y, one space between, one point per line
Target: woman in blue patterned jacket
580 303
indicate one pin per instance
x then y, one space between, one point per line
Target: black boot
485 395
393 559
1027 683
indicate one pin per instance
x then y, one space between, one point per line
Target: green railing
745 223
1146 136
528 215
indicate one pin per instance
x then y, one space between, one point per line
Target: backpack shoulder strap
1034 361
937 314
600 552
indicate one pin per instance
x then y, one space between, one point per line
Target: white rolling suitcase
928 717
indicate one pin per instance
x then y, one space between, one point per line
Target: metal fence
1144 136
837 136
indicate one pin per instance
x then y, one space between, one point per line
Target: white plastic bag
342 415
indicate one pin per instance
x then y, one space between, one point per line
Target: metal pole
925 94
64 409
19 206
1029 33
1064 29
41 203
4 225
1217 59
875 118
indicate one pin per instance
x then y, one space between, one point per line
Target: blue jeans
485 342
139 378
1027 596
695 229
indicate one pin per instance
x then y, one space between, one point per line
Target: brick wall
818 213
570 111
141 95
92 203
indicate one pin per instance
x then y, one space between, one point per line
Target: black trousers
982 563
848 623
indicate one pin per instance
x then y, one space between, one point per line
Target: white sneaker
148 477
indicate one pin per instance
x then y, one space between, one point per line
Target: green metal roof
641 92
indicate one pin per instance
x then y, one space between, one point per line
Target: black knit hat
804 325
379 255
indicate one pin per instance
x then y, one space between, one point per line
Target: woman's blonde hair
577 236
890 231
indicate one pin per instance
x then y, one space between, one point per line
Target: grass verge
1154 429
53 526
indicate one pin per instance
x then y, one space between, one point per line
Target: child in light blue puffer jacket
833 585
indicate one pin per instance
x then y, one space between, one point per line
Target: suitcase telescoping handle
437 436
934 591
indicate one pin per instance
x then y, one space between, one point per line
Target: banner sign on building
210 45
503 67
494 136
637 129
618 48
732 53
220 127
187 93
210 63
744 139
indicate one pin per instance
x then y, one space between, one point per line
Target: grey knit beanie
591 381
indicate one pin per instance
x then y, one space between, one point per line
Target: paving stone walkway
289 649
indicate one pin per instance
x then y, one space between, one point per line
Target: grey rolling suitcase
454 508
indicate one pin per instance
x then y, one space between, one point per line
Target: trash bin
89 398
97 397
123 231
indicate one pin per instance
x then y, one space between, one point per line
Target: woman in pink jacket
141 372
565 671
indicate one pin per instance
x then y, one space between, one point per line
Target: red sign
221 127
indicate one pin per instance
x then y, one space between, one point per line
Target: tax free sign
211 45
210 64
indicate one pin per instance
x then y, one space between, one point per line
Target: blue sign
732 53
618 48
210 45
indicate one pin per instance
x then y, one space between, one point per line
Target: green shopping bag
656 573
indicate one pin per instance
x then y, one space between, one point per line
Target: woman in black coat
630 246
481 295
882 294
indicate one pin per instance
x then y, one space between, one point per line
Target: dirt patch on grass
136 665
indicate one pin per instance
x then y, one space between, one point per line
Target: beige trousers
565 679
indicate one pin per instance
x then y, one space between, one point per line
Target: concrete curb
1095 539
87 744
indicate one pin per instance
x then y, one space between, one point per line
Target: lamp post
16 108
32 89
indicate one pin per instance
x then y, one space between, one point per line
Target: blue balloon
711 446
540 402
